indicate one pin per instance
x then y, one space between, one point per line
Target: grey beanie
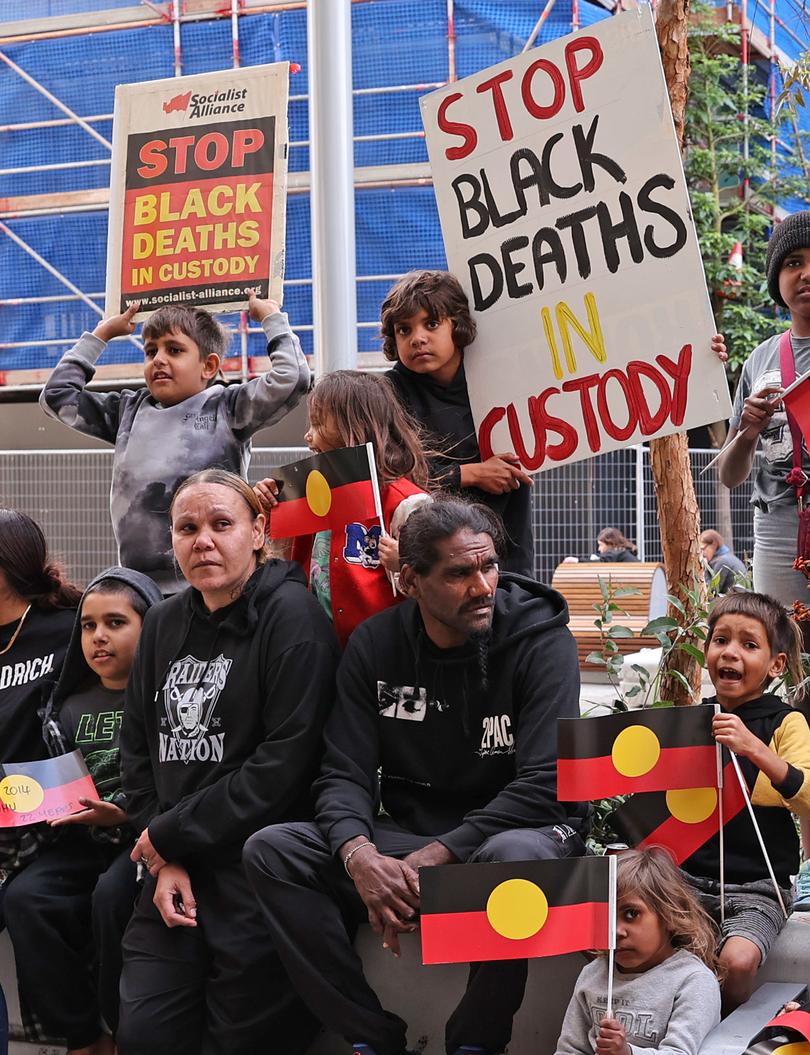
791 234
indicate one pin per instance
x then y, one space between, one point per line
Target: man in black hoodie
446 716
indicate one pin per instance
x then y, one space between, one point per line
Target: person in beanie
759 420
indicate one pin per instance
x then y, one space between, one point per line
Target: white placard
198 190
566 218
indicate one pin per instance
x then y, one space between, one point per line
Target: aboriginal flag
42 791
513 911
648 750
681 820
326 491
787 1034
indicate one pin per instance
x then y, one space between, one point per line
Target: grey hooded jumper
158 447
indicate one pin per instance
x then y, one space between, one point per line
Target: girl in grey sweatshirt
666 996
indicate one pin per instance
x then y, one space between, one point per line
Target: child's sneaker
471 1049
801 902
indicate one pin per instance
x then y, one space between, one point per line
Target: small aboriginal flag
796 398
787 1034
648 750
326 491
682 820
510 911
42 791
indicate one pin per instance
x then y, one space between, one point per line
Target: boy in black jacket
446 713
426 325
68 910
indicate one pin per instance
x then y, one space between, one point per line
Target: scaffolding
57 72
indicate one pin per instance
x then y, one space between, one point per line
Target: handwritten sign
566 218
31 792
198 190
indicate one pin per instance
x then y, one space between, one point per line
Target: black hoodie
444 412
785 731
104 765
223 715
459 759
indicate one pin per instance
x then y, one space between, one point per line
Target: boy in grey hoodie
185 420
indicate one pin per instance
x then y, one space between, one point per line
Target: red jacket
358 584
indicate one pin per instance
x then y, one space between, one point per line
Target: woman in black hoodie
221 736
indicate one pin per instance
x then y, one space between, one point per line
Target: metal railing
67 493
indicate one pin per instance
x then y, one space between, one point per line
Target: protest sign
198 190
566 218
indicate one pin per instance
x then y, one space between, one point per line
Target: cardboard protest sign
566 218
198 190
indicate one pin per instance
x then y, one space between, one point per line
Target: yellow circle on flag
692 805
20 793
635 751
319 494
517 909
796 1047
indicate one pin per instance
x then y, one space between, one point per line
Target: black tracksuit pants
313 910
66 914
216 988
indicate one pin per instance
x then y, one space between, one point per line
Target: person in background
720 560
612 546
68 910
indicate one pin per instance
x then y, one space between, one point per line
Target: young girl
752 640
665 994
347 570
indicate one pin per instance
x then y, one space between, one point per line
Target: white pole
331 163
721 822
375 486
612 904
744 789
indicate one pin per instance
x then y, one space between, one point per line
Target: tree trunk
678 512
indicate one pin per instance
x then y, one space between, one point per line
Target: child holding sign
67 911
426 325
183 422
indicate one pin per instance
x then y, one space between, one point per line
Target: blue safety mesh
400 52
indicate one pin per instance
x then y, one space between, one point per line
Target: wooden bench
579 585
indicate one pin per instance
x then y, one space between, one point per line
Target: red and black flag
513 911
648 750
31 792
787 1034
681 820
325 492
